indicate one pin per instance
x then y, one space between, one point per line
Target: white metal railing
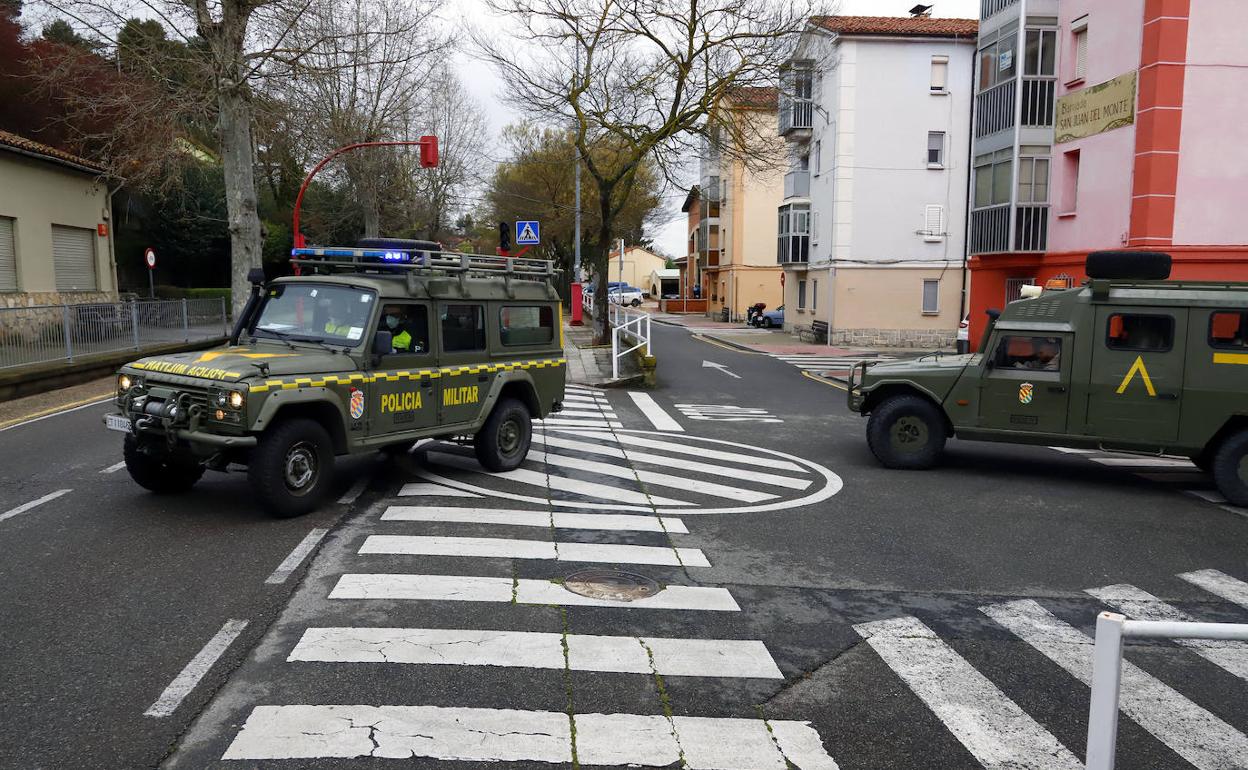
627 324
1111 629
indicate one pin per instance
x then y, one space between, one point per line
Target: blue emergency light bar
393 256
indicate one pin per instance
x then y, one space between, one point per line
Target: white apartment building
877 112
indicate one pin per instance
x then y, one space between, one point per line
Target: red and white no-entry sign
149 256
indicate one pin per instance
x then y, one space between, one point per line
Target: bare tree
641 79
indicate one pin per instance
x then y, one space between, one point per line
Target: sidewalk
587 365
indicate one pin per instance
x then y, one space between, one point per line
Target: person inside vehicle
338 323
394 320
1048 353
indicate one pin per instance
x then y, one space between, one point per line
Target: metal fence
628 325
45 333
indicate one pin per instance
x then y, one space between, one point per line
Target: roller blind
8 256
933 222
73 257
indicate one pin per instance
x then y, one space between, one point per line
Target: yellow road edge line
55 409
825 381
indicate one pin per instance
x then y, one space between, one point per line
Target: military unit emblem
357 403
1025 392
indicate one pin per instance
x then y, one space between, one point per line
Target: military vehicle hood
935 364
234 363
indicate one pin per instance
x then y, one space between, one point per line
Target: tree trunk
246 239
602 268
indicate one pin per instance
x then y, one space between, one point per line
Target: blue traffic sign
528 233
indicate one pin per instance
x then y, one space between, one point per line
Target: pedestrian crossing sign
528 233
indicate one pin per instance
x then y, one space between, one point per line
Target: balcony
1038 101
988 8
797 184
796 115
994 109
1031 228
792 249
990 229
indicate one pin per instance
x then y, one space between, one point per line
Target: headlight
236 399
124 382
222 398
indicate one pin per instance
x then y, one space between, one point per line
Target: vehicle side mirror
383 344
989 364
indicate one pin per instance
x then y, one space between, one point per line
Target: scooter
754 314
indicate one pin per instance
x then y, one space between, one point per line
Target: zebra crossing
814 362
1176 473
583 407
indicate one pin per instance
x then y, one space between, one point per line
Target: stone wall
32 324
929 339
36 298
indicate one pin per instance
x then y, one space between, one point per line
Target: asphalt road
904 620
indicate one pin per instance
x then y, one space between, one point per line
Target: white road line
114 467
1192 732
697 451
24 507
437 490
1208 495
578 414
494 735
1142 462
516 548
186 680
1073 451
991 726
538 479
659 479
353 494
656 414
1219 584
569 422
106 400
524 649
541 519
1138 604
675 462
295 557
1174 476
463 588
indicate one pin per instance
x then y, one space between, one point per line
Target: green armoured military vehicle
370 348
1126 362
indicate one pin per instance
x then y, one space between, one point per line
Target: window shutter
814 226
8 256
933 222
940 73
1081 53
73 257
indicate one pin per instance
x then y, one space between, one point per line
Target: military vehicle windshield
310 312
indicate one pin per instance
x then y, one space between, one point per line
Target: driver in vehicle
395 320
338 323
1047 357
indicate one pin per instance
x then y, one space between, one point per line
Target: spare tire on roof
1129 265
406 244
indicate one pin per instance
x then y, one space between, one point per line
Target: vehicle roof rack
352 260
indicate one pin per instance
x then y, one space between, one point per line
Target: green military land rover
1129 361
368 348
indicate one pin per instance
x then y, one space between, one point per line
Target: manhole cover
611 584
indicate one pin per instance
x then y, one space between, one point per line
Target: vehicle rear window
463 327
1036 353
526 325
1228 329
1132 331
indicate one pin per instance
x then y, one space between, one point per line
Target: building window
940 74
1070 183
935 149
814 228
997 62
793 228
1033 180
8 256
931 297
818 156
73 258
933 222
994 173
1040 58
1079 48
801 295
814 295
803 162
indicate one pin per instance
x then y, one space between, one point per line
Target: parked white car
624 295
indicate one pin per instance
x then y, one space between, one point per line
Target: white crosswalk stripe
1177 473
1190 731
515 548
1219 584
990 725
529 649
817 362
1138 604
540 519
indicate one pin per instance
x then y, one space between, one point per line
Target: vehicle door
1025 384
1136 387
463 360
404 392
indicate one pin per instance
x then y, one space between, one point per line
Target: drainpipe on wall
112 251
963 300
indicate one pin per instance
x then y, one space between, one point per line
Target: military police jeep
1126 362
369 348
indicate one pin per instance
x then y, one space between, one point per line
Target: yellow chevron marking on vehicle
1230 358
211 355
1138 368
408 374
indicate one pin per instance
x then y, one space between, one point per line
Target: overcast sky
485 85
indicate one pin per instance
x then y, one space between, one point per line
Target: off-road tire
161 472
1230 468
503 442
292 468
907 432
635 303
766 323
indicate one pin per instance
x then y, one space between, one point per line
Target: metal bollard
1106 680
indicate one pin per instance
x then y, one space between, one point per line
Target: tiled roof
13 141
906 26
755 97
